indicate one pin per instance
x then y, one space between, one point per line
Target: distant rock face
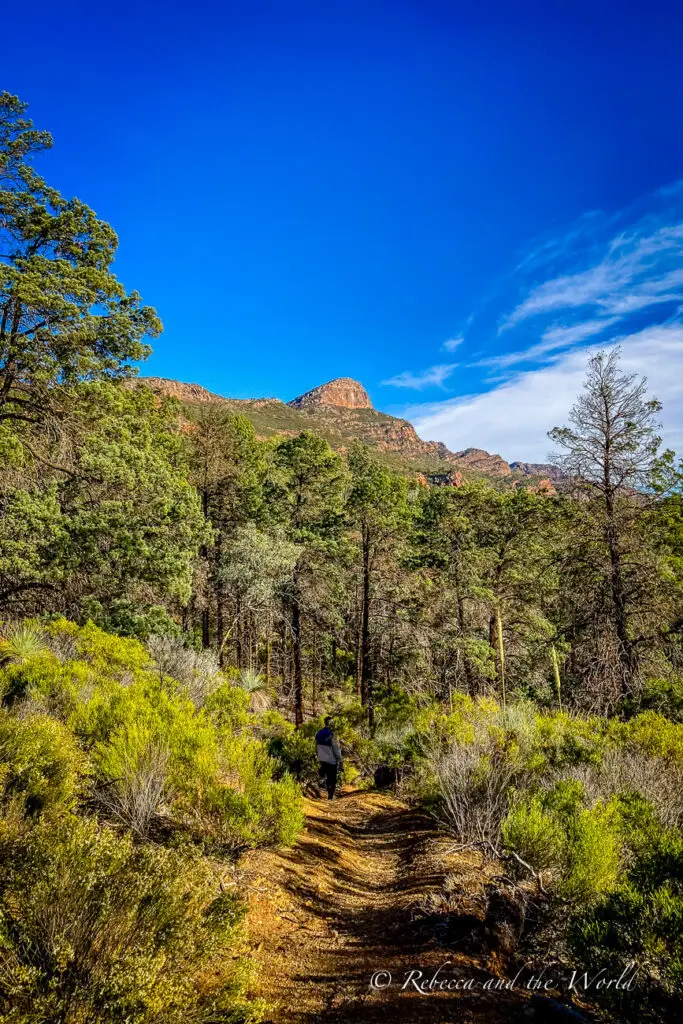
339 406
175 389
451 478
544 487
343 393
538 469
482 462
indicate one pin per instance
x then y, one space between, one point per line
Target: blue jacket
329 751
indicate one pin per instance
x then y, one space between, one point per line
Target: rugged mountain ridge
538 469
341 410
389 432
342 393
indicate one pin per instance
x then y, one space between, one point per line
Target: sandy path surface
344 904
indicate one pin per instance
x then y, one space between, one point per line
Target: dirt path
348 901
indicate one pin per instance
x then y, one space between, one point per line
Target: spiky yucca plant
21 641
255 685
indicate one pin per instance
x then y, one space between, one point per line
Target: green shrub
41 766
640 922
535 834
45 682
265 811
582 845
295 752
593 853
152 751
93 928
105 652
664 696
655 735
228 707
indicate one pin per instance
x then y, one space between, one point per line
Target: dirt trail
343 904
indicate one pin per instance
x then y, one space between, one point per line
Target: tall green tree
304 493
444 547
227 468
377 506
611 451
514 530
64 317
101 512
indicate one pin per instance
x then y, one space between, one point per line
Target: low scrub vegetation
122 786
590 810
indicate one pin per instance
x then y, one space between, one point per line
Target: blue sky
453 203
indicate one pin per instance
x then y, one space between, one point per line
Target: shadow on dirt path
343 906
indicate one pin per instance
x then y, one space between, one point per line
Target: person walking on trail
329 756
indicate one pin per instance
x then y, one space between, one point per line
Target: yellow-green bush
99 924
581 845
534 833
137 740
654 734
639 922
105 652
94 928
594 854
41 766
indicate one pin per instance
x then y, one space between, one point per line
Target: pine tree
377 506
305 495
64 317
612 453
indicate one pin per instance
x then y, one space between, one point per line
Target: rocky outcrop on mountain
543 486
341 411
175 389
538 469
451 478
342 393
482 462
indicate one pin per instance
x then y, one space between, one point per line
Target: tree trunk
556 674
205 554
268 647
359 690
333 656
366 667
467 664
298 678
469 675
220 628
620 616
238 633
501 655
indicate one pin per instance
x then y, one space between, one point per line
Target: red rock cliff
344 393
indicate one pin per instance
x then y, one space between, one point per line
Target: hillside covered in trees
183 596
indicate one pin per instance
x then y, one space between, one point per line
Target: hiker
329 756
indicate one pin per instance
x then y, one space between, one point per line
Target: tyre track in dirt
343 904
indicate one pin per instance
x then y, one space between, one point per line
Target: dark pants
328 772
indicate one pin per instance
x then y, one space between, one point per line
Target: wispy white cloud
640 268
451 344
553 339
563 334
615 277
434 376
514 417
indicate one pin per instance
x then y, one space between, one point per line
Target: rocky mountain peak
176 389
343 393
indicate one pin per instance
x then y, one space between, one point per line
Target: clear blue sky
307 190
